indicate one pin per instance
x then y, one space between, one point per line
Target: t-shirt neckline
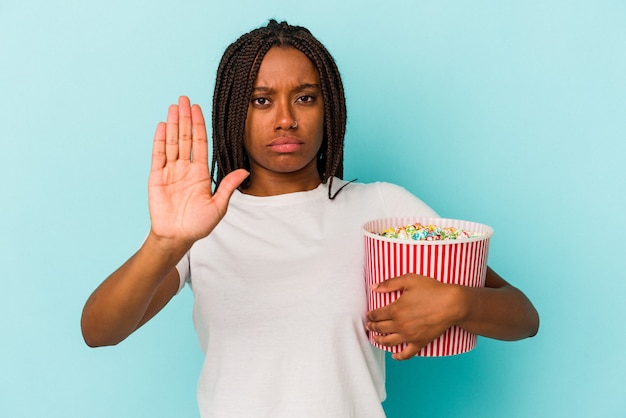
321 189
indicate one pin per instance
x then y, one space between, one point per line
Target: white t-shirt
280 304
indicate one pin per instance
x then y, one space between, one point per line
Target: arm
182 210
427 308
498 310
132 294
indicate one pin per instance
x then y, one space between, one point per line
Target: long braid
236 74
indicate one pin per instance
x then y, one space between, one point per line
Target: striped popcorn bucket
462 261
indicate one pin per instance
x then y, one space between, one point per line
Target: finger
380 314
388 340
226 188
391 285
409 352
171 134
158 147
184 128
382 327
199 145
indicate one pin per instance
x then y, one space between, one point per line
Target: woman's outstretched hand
182 210
182 207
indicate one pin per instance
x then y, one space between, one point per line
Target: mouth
285 144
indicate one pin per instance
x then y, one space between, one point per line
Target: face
285 121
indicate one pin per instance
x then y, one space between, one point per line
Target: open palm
182 206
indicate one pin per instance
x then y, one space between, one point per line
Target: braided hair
234 83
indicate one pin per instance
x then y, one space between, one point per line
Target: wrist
463 298
165 246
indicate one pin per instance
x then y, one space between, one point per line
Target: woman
274 255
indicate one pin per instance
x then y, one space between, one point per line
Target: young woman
274 255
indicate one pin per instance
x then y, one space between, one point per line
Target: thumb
390 285
228 185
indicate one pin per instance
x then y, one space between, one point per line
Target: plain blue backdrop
506 113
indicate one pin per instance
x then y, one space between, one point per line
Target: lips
285 144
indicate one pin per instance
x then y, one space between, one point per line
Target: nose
285 118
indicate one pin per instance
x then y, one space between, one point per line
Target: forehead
283 64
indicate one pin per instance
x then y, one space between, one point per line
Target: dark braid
233 87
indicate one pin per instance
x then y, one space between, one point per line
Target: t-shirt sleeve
399 202
184 271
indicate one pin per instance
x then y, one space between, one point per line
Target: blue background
506 113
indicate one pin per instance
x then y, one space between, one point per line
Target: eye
260 101
307 98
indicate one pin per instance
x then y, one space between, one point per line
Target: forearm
116 308
498 311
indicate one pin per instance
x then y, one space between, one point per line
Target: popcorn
452 251
430 232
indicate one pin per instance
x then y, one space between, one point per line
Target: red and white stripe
461 262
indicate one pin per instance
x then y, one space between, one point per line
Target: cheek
256 122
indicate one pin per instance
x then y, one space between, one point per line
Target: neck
271 184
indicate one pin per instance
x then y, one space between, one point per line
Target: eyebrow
300 87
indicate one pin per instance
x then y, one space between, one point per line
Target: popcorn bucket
458 261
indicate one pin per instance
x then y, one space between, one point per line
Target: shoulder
354 187
380 189
394 200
